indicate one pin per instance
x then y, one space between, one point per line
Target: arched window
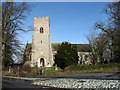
86 57
41 30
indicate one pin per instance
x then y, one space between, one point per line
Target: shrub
26 68
106 67
66 55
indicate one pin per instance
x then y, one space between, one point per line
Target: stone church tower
42 55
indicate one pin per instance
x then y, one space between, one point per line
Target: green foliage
66 55
93 68
32 68
55 46
51 70
27 52
29 48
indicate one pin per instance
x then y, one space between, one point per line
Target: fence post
18 71
36 68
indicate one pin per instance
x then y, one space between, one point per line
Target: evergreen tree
66 55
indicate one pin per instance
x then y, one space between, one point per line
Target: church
41 51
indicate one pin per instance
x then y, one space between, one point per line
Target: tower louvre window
41 30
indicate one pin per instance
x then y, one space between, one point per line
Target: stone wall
84 58
41 44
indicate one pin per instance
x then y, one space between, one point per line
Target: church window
41 30
86 57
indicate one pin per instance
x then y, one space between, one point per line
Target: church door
42 62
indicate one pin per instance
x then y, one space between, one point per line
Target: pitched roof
80 47
83 48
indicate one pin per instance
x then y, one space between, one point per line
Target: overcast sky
68 21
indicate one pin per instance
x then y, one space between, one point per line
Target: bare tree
92 38
13 15
101 46
112 30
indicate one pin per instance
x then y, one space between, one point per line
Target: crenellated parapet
35 18
42 55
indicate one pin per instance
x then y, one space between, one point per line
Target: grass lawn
74 69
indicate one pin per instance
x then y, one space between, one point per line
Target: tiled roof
83 48
80 47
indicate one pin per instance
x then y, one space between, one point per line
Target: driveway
112 75
15 84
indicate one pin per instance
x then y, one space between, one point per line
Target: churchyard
72 77
49 71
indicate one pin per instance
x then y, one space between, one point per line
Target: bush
32 68
104 67
26 68
66 55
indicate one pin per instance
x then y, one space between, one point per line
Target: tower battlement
35 18
41 44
